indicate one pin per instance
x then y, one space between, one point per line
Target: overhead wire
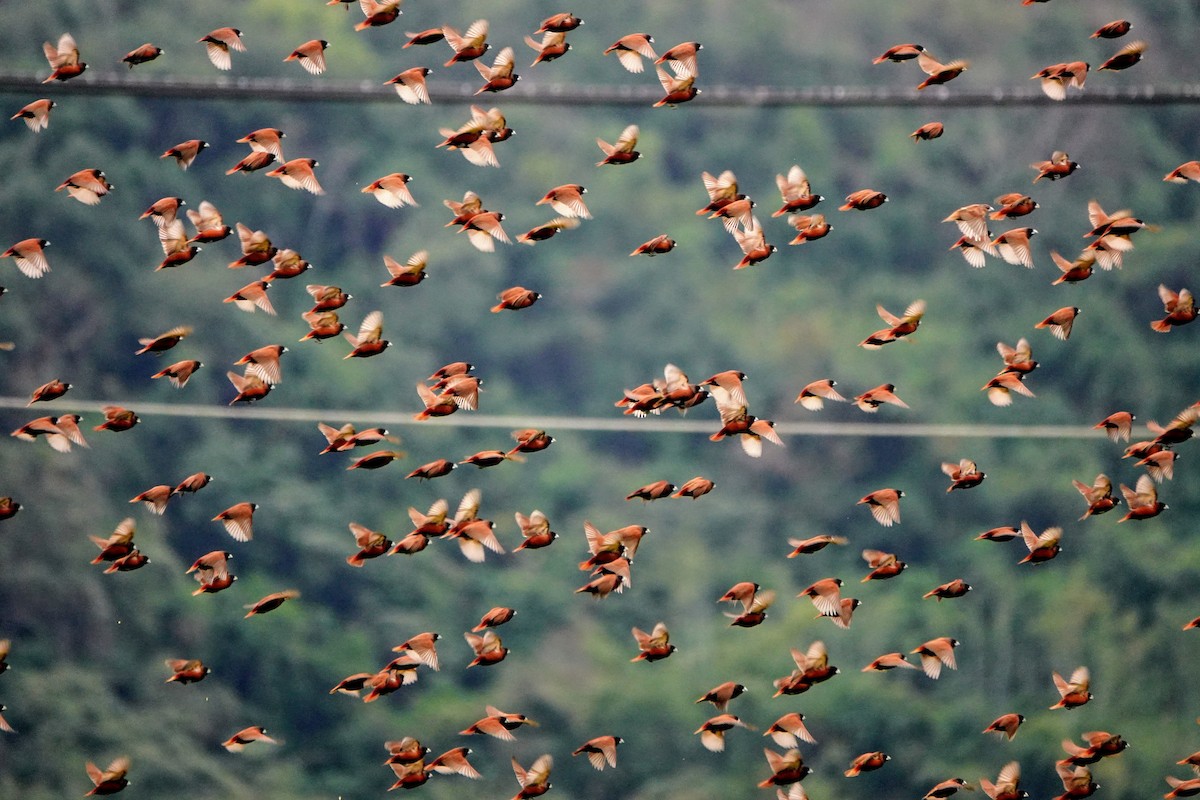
532 92
552 423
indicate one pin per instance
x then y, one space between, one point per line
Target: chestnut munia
392 190
410 84
1074 692
1142 501
535 529
535 780
955 588
142 54
238 520
423 647
1126 57
63 58
681 58
695 487
238 742
369 341
117 418
454 762
271 602
185 670
434 469
601 751
1180 308
867 762
1060 322
657 246
631 49
219 42
1042 547
1099 495
621 151
250 387
655 645
1188 171
371 544
516 298
310 55
1059 166
889 661
1112 30
721 694
937 653
378 13
884 505
963 475
553 45
1005 724
928 131
814 544
937 71
499 76
788 730
898 53
109 780
36 116
712 732
87 186
795 191
678 88
298 174
467 46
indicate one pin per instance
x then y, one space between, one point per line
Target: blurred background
87 649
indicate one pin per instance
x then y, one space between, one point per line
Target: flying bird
938 72
653 646
1126 57
937 653
410 85
535 780
238 742
500 75
631 49
270 602
238 520
378 13
1059 166
884 505
1005 724
898 53
30 257
467 46
553 45
1073 692
678 88
36 116
298 174
64 59
392 190
87 186
622 151
310 55
1060 322
219 42
109 780
600 751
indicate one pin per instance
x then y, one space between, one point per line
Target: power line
533 92
619 424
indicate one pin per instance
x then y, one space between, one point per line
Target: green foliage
87 677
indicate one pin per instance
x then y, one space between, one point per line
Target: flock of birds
455 387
